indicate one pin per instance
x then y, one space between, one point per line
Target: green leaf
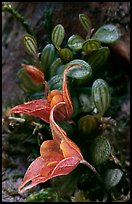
58 35
47 56
80 71
30 44
98 58
75 42
60 70
107 34
55 66
101 95
100 150
84 96
90 45
87 125
112 178
55 82
85 21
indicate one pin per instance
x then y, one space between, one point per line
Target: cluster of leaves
71 66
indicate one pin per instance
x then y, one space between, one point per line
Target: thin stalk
6 7
92 169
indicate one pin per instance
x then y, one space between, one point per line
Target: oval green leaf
90 45
86 103
30 44
55 82
100 150
112 178
101 95
84 95
107 34
54 67
47 56
85 22
75 42
80 71
60 70
98 58
58 35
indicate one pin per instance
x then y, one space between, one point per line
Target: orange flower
41 108
60 155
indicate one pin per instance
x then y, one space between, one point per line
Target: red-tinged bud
36 75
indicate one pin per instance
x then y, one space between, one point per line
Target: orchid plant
69 92
60 155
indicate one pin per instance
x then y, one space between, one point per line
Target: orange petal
69 148
39 171
52 93
39 108
66 95
50 147
57 132
56 99
65 166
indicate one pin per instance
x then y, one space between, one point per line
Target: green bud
87 125
66 54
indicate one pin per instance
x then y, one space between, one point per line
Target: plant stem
6 7
92 168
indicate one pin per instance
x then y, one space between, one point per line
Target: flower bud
36 75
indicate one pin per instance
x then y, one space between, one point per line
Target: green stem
6 7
